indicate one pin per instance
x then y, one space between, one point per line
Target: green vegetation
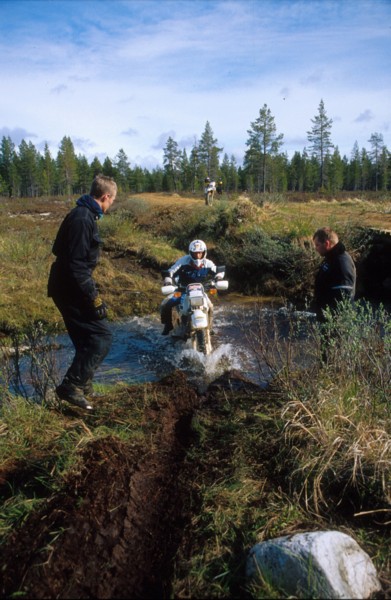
47 446
24 171
311 452
314 452
265 240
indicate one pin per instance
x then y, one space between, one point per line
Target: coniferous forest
27 172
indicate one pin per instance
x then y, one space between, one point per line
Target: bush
338 417
256 259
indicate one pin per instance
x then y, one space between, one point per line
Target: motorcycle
192 317
209 193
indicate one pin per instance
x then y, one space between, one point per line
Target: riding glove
99 308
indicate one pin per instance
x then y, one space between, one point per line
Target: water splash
140 353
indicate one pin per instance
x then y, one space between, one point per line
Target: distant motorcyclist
191 268
209 188
219 187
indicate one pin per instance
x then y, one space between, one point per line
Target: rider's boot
167 328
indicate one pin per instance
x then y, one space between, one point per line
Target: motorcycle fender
199 319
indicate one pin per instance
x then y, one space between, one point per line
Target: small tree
208 152
377 143
384 165
67 165
48 172
28 169
172 163
319 138
336 171
122 167
263 143
355 169
8 161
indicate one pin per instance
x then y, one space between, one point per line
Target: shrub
256 259
337 446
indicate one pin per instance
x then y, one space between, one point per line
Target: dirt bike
209 195
192 317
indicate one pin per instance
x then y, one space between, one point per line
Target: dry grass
334 443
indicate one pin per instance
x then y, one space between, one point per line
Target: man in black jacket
74 291
336 277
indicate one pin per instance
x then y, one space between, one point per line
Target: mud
117 525
114 529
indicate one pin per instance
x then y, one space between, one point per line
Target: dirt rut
112 533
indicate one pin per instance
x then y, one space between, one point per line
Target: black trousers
166 310
91 338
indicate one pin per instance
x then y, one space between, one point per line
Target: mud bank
114 528
138 512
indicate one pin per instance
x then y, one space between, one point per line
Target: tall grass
337 419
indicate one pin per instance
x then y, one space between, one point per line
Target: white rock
320 564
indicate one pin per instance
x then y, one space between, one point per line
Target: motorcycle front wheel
202 341
209 199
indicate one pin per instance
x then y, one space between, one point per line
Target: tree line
26 172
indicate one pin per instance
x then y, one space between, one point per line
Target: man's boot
74 395
88 388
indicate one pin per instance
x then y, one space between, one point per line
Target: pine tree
296 173
320 140
95 167
47 172
365 170
7 164
67 165
185 172
172 157
108 168
28 169
354 169
194 166
384 169
137 180
263 143
122 166
83 177
377 143
208 152
336 172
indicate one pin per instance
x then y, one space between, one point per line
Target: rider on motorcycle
210 187
191 268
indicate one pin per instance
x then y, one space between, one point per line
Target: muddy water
141 354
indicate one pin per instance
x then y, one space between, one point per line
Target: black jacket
77 248
335 280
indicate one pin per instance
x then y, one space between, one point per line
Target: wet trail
115 526
141 354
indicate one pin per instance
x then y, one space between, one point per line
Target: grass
41 445
314 455
312 452
147 233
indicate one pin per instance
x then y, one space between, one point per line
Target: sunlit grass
261 465
45 442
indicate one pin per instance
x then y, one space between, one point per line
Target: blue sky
127 74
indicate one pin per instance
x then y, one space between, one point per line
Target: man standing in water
336 277
74 291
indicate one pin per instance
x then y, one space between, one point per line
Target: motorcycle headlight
196 301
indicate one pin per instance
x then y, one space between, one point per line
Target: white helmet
197 246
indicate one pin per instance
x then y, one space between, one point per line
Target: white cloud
127 74
364 117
